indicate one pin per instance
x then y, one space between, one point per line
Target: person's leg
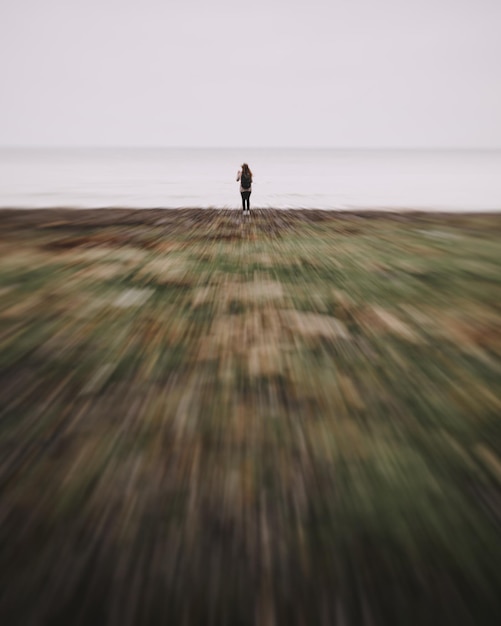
248 201
243 200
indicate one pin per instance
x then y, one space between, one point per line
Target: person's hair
246 170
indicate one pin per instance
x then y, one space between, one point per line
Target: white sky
347 73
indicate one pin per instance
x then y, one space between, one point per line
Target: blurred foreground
288 418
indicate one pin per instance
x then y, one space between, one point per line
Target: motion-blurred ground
288 418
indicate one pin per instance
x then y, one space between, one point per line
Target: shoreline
310 213
336 210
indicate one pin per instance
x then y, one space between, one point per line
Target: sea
285 178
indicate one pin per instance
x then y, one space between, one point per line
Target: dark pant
245 199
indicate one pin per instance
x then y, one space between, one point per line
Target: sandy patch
313 325
132 297
166 271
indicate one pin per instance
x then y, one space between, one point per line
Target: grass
291 418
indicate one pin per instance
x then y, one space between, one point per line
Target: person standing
245 177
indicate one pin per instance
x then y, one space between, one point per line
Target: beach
290 417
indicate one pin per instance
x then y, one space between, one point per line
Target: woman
245 177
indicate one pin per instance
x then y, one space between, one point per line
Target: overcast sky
354 73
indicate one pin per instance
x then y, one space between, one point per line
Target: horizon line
242 147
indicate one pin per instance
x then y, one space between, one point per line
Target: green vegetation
288 418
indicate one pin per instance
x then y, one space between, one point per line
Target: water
283 178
